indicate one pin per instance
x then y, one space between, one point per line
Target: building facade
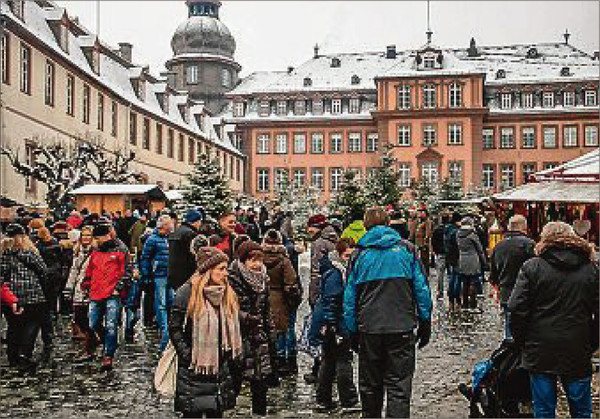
484 117
61 83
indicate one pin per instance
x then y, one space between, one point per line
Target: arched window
500 74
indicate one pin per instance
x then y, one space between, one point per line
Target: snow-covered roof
113 74
174 195
120 189
586 167
553 191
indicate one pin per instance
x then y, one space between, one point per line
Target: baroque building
482 116
60 82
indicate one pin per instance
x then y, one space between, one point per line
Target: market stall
569 192
119 197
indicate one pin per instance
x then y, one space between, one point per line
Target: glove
423 334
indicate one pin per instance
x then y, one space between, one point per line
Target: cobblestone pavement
68 389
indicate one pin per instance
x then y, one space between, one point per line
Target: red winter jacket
105 271
6 295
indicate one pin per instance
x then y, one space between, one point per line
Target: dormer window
429 62
500 74
92 54
191 74
532 53
335 62
166 98
63 40
565 72
355 79
307 82
238 109
18 8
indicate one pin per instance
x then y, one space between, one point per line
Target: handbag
165 376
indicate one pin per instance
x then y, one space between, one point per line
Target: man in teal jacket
387 296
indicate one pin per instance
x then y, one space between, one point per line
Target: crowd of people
224 296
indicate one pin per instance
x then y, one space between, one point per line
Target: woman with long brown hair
22 267
205 331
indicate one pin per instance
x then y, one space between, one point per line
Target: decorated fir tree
208 187
351 198
382 187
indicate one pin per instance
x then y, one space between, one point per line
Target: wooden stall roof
152 191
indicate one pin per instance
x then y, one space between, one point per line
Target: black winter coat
437 240
182 263
506 261
256 325
554 312
196 392
52 254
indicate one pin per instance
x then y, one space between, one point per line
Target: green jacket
136 232
354 231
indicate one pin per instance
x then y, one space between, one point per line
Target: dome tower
203 50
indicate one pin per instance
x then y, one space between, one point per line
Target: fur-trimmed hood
566 251
274 254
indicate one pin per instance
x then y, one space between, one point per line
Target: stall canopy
582 169
554 191
151 191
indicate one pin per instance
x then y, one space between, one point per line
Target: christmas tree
207 187
350 199
382 187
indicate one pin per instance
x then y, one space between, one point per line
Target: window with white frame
506 100
487 138
225 78
507 173
569 98
354 105
238 109
528 170
570 136
299 178
429 172
590 98
336 177
336 106
86 104
429 61
528 137
336 143
550 137
100 110
281 144
507 137
455 95
404 135
404 175
262 144
429 135
263 108
263 180
354 142
4 50
591 136
50 83
299 143
316 178
429 97
300 107
455 171
550 166
372 142
191 74
281 178
548 99
404 97
317 106
455 134
528 100
317 143
25 69
281 107
488 176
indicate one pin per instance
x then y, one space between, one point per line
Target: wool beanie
209 257
14 230
247 247
273 237
318 221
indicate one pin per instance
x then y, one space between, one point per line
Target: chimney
316 48
566 35
290 69
596 55
170 77
125 51
391 51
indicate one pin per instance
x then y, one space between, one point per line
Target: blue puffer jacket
154 261
386 287
328 310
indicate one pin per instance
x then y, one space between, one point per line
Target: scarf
257 280
205 333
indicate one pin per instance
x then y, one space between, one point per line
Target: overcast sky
272 35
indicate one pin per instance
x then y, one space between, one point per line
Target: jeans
453 285
336 362
286 342
107 310
440 268
132 308
579 396
386 364
163 299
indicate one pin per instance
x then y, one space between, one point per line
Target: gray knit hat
209 257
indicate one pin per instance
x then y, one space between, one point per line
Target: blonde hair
44 234
35 224
196 302
79 246
376 216
19 242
